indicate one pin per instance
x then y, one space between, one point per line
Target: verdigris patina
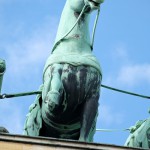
68 106
2 71
139 135
3 130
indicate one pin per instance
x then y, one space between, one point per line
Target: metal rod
3 96
125 92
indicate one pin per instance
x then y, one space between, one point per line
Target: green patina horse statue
2 71
139 135
68 106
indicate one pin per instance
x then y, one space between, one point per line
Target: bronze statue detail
68 106
139 135
2 71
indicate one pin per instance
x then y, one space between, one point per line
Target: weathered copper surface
68 106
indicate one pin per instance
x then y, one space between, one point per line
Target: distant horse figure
2 71
3 130
140 135
72 76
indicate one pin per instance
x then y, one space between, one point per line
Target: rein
3 96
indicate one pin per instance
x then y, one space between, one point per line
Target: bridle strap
78 19
94 28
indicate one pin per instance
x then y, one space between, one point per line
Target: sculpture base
19 142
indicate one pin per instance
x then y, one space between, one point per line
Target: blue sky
122 45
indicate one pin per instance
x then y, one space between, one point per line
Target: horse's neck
79 38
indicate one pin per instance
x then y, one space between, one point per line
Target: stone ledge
19 142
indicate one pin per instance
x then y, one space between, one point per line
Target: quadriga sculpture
68 106
140 135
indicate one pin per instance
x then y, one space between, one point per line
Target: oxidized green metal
68 106
2 71
3 130
139 135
